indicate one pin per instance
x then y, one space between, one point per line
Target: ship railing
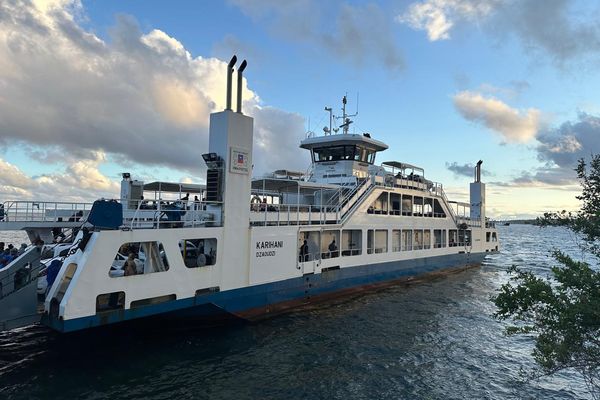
44 211
468 221
163 214
293 214
354 199
459 244
448 206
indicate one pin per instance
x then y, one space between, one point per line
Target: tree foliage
562 311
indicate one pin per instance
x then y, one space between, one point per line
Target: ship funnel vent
478 171
229 77
239 85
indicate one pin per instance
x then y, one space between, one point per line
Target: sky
91 89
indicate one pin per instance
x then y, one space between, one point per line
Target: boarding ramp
18 290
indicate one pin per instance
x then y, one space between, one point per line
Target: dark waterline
432 340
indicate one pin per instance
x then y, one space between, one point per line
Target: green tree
562 311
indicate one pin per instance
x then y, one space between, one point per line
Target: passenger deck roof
174 187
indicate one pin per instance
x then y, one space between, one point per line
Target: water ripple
432 340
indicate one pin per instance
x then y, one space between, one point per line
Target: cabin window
394 208
494 237
139 258
418 206
417 239
351 242
488 236
309 244
407 205
110 301
464 237
439 238
438 210
330 241
370 241
377 241
427 239
396 240
453 237
406 240
198 252
428 207
380 205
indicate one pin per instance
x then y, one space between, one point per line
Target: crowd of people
9 253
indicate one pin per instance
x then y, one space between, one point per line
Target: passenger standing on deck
333 249
304 252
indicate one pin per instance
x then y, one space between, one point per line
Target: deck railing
44 211
162 214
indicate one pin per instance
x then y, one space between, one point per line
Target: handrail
43 211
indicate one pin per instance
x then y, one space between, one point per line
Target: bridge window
198 252
340 153
138 258
351 242
336 153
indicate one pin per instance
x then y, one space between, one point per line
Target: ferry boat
243 247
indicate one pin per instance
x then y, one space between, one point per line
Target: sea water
430 340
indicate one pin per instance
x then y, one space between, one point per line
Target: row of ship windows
141 258
402 204
349 242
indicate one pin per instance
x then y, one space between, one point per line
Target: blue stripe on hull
262 299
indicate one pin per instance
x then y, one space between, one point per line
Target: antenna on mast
346 121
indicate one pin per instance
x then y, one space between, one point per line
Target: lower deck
267 299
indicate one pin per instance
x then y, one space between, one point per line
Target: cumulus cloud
81 180
572 140
464 169
438 17
355 34
551 177
552 26
141 97
512 124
